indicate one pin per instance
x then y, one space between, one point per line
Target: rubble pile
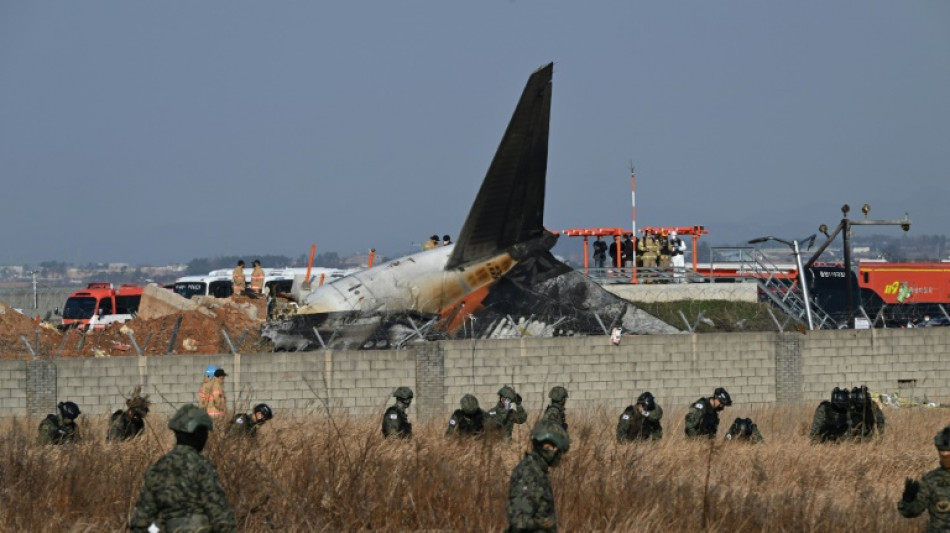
200 331
14 324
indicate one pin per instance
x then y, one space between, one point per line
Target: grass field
314 473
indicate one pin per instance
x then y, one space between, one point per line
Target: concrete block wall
676 368
757 369
914 362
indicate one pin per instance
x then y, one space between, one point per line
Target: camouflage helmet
723 396
547 431
138 404
68 409
264 410
403 393
840 397
507 392
469 404
189 418
942 439
558 394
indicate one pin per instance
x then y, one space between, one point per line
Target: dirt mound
14 325
199 332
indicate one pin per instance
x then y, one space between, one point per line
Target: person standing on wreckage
501 418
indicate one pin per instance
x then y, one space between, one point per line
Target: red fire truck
100 304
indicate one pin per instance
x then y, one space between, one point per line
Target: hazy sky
154 132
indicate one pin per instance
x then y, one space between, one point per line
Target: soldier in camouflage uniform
128 423
932 492
61 427
395 420
831 422
866 417
702 420
501 418
641 421
744 430
469 420
246 425
530 496
555 411
182 491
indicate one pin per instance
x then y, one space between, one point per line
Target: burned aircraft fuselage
417 282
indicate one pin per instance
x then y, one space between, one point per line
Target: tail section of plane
509 208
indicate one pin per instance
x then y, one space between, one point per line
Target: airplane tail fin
509 208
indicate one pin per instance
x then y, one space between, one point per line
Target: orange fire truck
100 304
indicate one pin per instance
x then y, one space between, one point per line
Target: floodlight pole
803 282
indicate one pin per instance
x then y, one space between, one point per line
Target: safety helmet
840 397
942 439
647 400
403 393
469 404
209 372
547 431
264 409
507 392
859 395
558 394
743 426
723 396
189 418
68 409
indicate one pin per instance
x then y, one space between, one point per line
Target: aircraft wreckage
499 279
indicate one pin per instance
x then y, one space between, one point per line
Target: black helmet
859 395
264 410
647 401
743 427
469 404
558 394
68 409
403 393
840 397
942 439
723 396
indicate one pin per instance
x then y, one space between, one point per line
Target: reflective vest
257 279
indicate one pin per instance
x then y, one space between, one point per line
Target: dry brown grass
308 473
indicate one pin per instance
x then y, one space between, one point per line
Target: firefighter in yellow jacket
257 280
237 279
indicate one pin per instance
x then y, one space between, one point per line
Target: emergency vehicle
218 283
100 304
